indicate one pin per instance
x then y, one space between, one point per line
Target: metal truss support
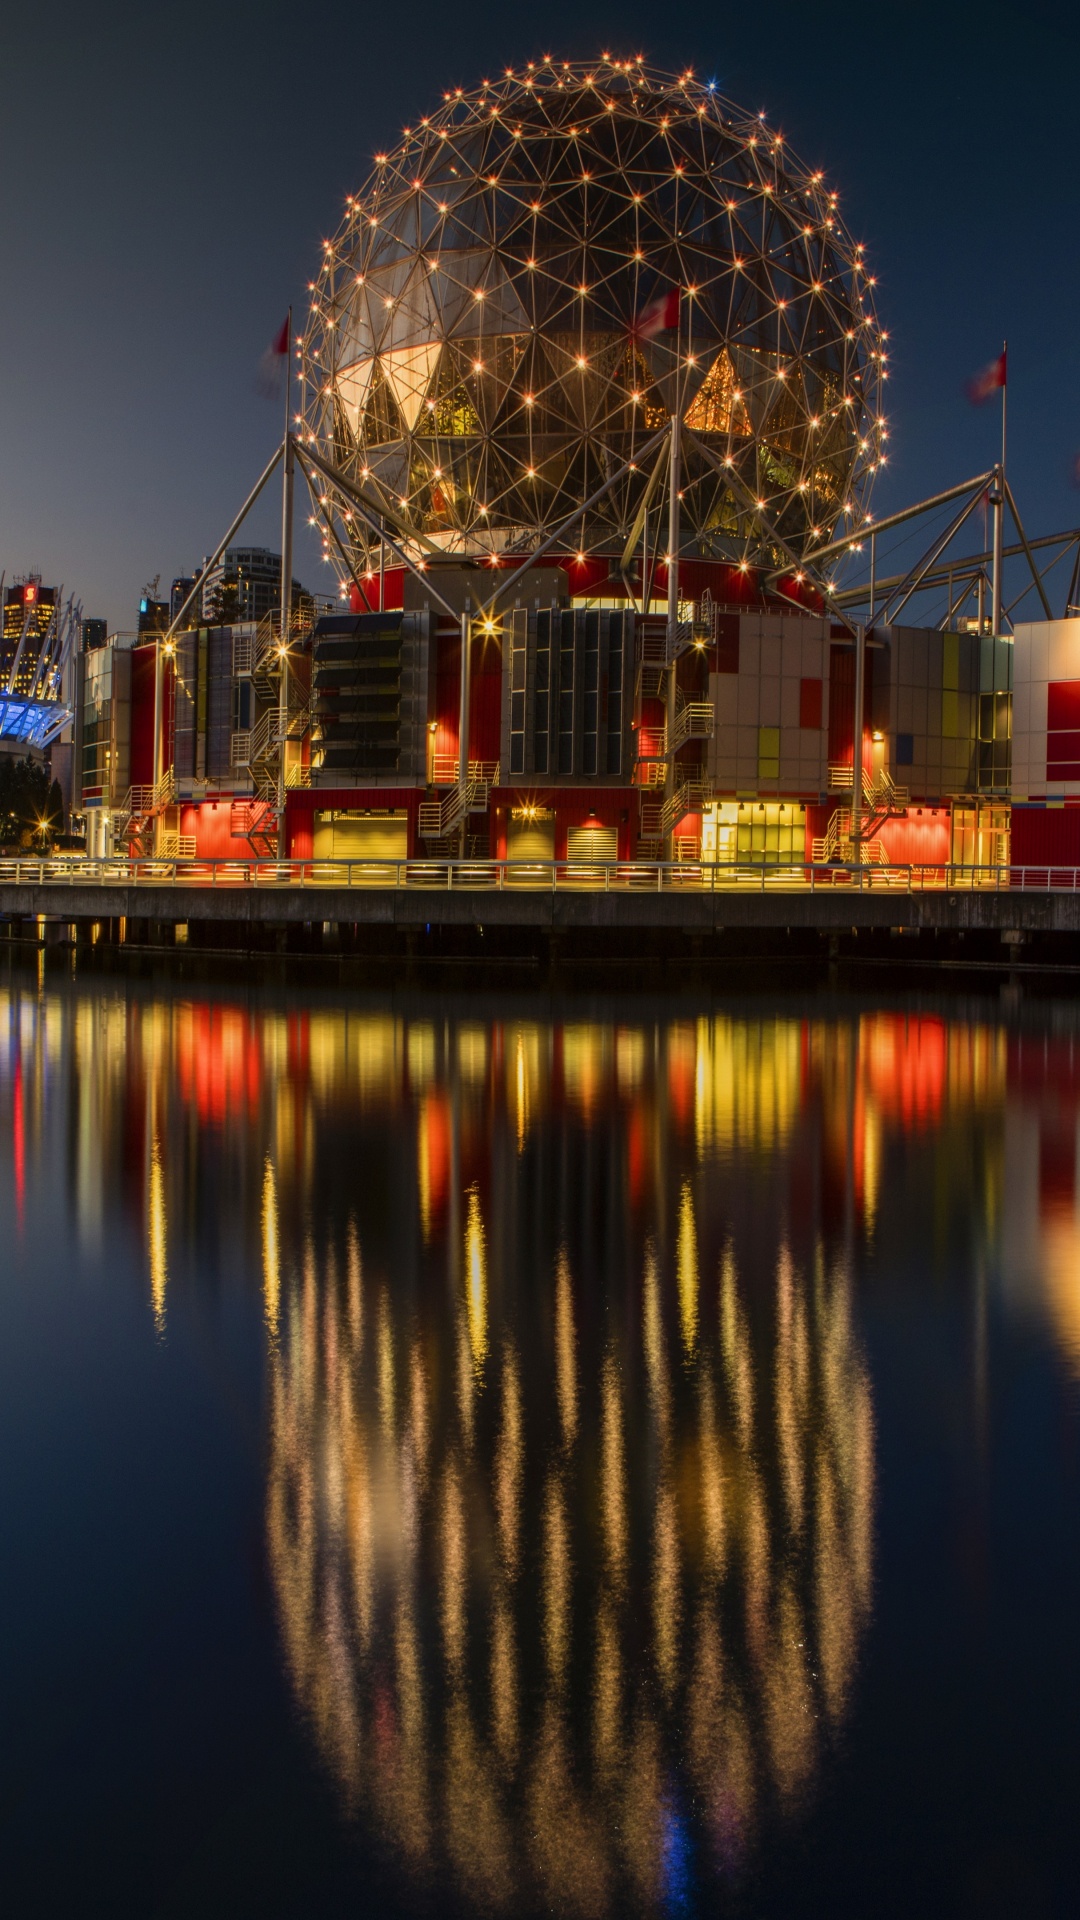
974 565
175 624
310 459
836 548
288 475
898 601
801 566
996 497
1072 598
376 514
637 530
327 519
1035 574
572 519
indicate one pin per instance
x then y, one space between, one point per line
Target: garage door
361 836
592 844
531 840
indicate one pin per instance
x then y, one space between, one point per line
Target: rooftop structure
38 633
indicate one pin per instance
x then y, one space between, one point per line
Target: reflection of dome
479 355
539 1598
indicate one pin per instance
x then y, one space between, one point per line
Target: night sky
167 173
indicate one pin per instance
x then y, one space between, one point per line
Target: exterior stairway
133 820
659 651
882 800
689 797
694 720
257 750
660 816
443 813
256 821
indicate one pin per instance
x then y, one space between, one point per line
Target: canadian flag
273 364
987 383
660 317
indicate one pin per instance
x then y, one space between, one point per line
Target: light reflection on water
570 1440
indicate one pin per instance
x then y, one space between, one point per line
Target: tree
27 800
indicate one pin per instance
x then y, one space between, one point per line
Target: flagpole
1004 399
287 479
997 501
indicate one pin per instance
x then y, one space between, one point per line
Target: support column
857 744
997 502
674 531
463 715
156 763
288 477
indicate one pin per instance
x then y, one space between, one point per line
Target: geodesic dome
486 344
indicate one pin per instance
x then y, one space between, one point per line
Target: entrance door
361 836
530 840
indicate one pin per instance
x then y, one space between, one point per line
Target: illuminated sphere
480 354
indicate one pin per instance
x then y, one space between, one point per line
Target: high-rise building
180 589
246 585
30 613
94 634
153 615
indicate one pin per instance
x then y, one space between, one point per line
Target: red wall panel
485 698
1046 837
920 839
1063 704
142 716
810 703
211 823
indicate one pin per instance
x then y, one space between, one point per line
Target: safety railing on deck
494 876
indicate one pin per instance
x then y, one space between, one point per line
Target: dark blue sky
168 172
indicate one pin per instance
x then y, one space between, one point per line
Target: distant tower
30 613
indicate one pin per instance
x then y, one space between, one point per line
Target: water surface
521 1457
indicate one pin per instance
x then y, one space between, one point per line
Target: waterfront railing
551 876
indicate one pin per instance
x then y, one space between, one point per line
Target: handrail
658 876
446 771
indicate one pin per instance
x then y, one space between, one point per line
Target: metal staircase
660 649
689 797
256 822
444 814
694 720
142 805
258 750
882 800
660 816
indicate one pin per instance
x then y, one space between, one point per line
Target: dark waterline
466 1454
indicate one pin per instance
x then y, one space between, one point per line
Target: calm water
464 1457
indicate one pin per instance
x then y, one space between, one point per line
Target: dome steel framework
487 346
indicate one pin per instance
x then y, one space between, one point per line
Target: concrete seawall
679 912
